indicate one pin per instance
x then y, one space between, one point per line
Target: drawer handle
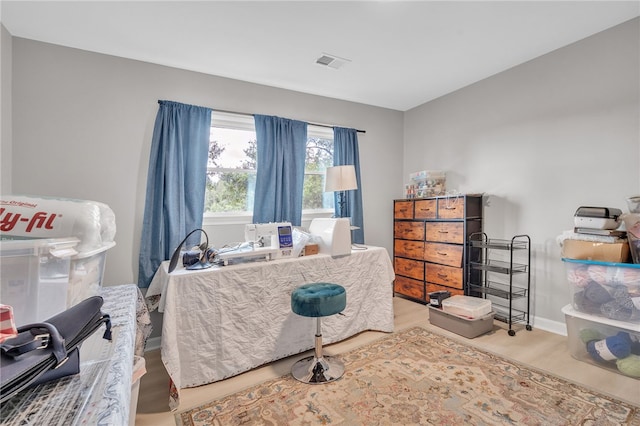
443 276
443 232
449 208
425 210
441 253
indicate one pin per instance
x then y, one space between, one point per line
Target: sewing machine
276 235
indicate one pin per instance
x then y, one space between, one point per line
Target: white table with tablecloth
226 320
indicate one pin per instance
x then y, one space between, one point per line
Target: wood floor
539 349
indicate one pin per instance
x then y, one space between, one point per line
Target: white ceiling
402 53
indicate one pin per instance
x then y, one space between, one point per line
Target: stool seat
318 300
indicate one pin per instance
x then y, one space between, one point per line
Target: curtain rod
313 124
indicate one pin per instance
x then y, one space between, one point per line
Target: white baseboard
551 326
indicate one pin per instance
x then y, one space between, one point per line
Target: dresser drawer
411 249
451 208
409 287
403 209
445 232
408 230
426 209
444 275
409 268
444 254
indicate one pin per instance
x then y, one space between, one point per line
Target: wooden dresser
429 247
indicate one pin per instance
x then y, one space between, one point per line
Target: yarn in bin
596 293
583 304
578 276
591 298
621 307
589 334
611 348
629 366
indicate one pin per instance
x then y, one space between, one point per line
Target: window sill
246 218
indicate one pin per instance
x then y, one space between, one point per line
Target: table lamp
340 179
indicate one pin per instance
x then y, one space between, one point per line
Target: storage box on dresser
430 235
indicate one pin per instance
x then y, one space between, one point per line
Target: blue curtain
345 151
281 153
176 183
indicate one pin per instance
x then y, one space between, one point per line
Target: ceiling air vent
331 61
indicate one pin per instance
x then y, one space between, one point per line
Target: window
231 169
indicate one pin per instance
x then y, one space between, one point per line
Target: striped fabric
7 324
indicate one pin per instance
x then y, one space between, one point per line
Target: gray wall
83 122
5 110
540 140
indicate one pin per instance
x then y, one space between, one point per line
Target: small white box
35 277
466 306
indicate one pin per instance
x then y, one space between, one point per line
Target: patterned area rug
416 377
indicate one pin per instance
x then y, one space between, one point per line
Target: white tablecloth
223 321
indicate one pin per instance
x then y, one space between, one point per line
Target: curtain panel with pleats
281 153
176 183
345 151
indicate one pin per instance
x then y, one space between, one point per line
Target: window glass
231 169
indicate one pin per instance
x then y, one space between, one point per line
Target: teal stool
318 300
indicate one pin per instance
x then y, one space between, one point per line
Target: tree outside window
231 171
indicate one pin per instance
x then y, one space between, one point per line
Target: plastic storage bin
583 328
467 327
85 276
427 183
91 222
466 306
35 277
604 289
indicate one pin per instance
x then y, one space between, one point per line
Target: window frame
246 122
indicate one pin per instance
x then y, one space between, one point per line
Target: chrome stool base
314 370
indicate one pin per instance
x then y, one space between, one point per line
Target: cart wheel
512 332
529 328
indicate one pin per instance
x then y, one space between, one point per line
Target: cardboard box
310 249
466 327
589 250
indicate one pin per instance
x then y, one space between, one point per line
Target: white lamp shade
340 178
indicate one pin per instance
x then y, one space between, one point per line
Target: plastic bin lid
89 253
466 301
598 262
58 247
569 310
